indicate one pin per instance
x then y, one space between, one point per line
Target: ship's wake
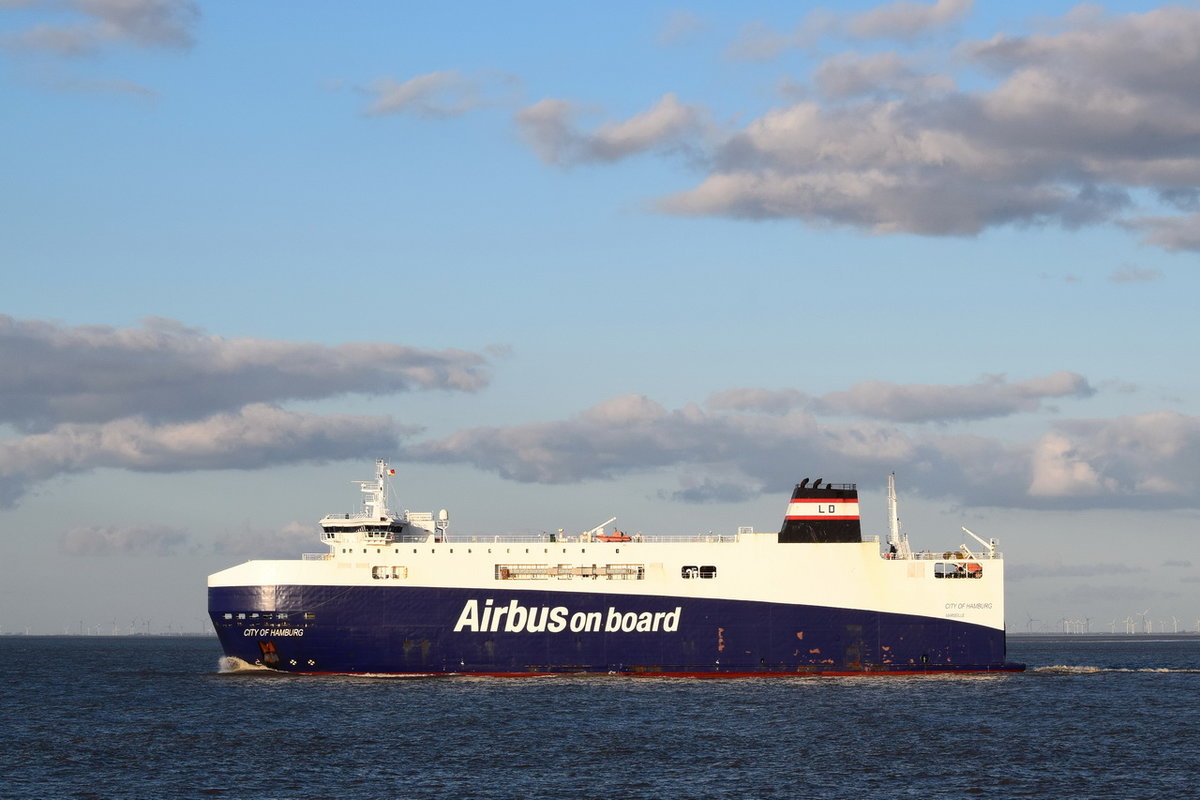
1065 669
232 665
395 676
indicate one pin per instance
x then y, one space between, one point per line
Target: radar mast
897 541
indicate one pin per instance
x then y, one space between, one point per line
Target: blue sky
658 261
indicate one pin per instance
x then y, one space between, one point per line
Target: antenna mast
896 539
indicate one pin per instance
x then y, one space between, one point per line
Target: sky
559 263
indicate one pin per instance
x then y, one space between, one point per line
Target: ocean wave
230 664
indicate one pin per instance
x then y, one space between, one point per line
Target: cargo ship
396 593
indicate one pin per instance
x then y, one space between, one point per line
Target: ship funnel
822 515
803 483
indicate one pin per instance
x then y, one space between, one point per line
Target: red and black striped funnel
822 513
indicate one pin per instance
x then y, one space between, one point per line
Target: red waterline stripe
782 674
825 500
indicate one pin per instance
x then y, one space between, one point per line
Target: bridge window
611 572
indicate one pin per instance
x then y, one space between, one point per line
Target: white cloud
165 398
102 86
437 95
680 26
1151 454
101 23
1152 460
757 42
546 126
1078 127
164 540
167 371
627 410
109 540
634 433
902 20
549 127
992 396
905 19
1058 470
1129 274
286 542
852 75
1174 234
164 23
253 437
768 401
710 490
916 166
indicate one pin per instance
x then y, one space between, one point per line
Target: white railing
545 538
955 555
687 537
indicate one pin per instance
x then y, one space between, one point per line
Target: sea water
161 717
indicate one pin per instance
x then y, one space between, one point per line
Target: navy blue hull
341 629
